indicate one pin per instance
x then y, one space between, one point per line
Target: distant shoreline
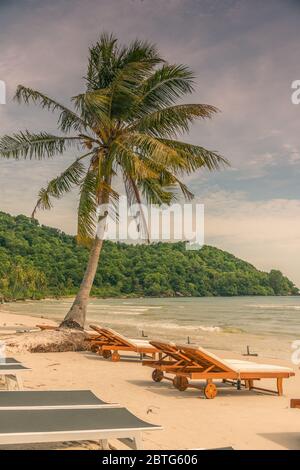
124 297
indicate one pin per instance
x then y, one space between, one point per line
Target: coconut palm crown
126 123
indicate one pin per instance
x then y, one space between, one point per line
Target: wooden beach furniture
41 417
11 373
295 403
109 343
186 362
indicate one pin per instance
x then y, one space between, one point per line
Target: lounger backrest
169 349
115 337
204 358
100 332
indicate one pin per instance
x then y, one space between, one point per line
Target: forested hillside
38 261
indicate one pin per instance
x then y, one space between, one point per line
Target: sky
245 55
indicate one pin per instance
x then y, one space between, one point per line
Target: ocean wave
177 327
113 312
274 307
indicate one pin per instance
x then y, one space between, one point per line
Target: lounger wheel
157 375
106 354
210 391
181 383
115 357
95 348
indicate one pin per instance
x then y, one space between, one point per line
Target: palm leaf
42 145
60 185
67 120
172 120
197 156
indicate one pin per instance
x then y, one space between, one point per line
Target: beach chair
186 362
295 403
49 422
11 373
109 343
6 361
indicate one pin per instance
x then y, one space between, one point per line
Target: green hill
38 261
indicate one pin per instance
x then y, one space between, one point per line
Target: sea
267 326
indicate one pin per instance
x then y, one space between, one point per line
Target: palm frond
155 149
196 156
154 193
39 146
68 119
173 120
164 87
60 185
132 162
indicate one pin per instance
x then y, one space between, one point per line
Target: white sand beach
241 419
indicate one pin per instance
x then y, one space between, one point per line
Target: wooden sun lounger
295 403
54 399
27 426
109 343
11 374
185 362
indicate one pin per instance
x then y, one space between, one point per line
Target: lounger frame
12 375
109 343
184 363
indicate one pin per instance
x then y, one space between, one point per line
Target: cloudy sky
245 54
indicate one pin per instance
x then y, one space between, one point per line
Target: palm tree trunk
75 318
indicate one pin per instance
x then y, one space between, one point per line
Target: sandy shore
241 419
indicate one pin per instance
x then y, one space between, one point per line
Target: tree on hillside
126 124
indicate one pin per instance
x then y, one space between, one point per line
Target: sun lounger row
182 363
59 416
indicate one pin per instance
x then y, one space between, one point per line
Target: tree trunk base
60 340
71 324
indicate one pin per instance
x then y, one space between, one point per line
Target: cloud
266 233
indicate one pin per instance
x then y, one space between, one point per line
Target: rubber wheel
157 375
210 391
181 383
106 354
115 356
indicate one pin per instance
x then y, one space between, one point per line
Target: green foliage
38 261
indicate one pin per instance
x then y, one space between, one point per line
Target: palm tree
126 124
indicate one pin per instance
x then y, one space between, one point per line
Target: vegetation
38 261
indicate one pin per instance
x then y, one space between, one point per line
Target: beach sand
241 419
